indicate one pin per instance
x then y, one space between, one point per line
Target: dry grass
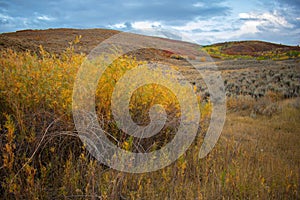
257 156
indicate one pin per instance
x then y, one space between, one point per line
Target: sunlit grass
257 157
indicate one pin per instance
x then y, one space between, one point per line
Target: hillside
257 49
57 40
54 40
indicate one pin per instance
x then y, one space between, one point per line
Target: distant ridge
57 40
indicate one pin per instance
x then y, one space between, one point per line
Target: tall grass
43 158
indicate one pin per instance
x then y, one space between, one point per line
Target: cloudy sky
200 21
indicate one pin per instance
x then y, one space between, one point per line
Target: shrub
203 59
43 158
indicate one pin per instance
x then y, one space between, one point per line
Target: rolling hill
57 40
254 49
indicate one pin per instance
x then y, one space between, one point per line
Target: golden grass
257 157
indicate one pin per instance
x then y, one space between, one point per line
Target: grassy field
42 157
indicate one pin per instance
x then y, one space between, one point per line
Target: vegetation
216 52
42 157
252 50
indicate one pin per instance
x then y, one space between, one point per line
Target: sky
203 22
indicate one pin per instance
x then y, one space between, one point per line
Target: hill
54 40
57 40
255 49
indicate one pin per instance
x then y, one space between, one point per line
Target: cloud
91 13
36 21
5 19
266 26
203 21
118 26
45 18
199 4
145 25
267 18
